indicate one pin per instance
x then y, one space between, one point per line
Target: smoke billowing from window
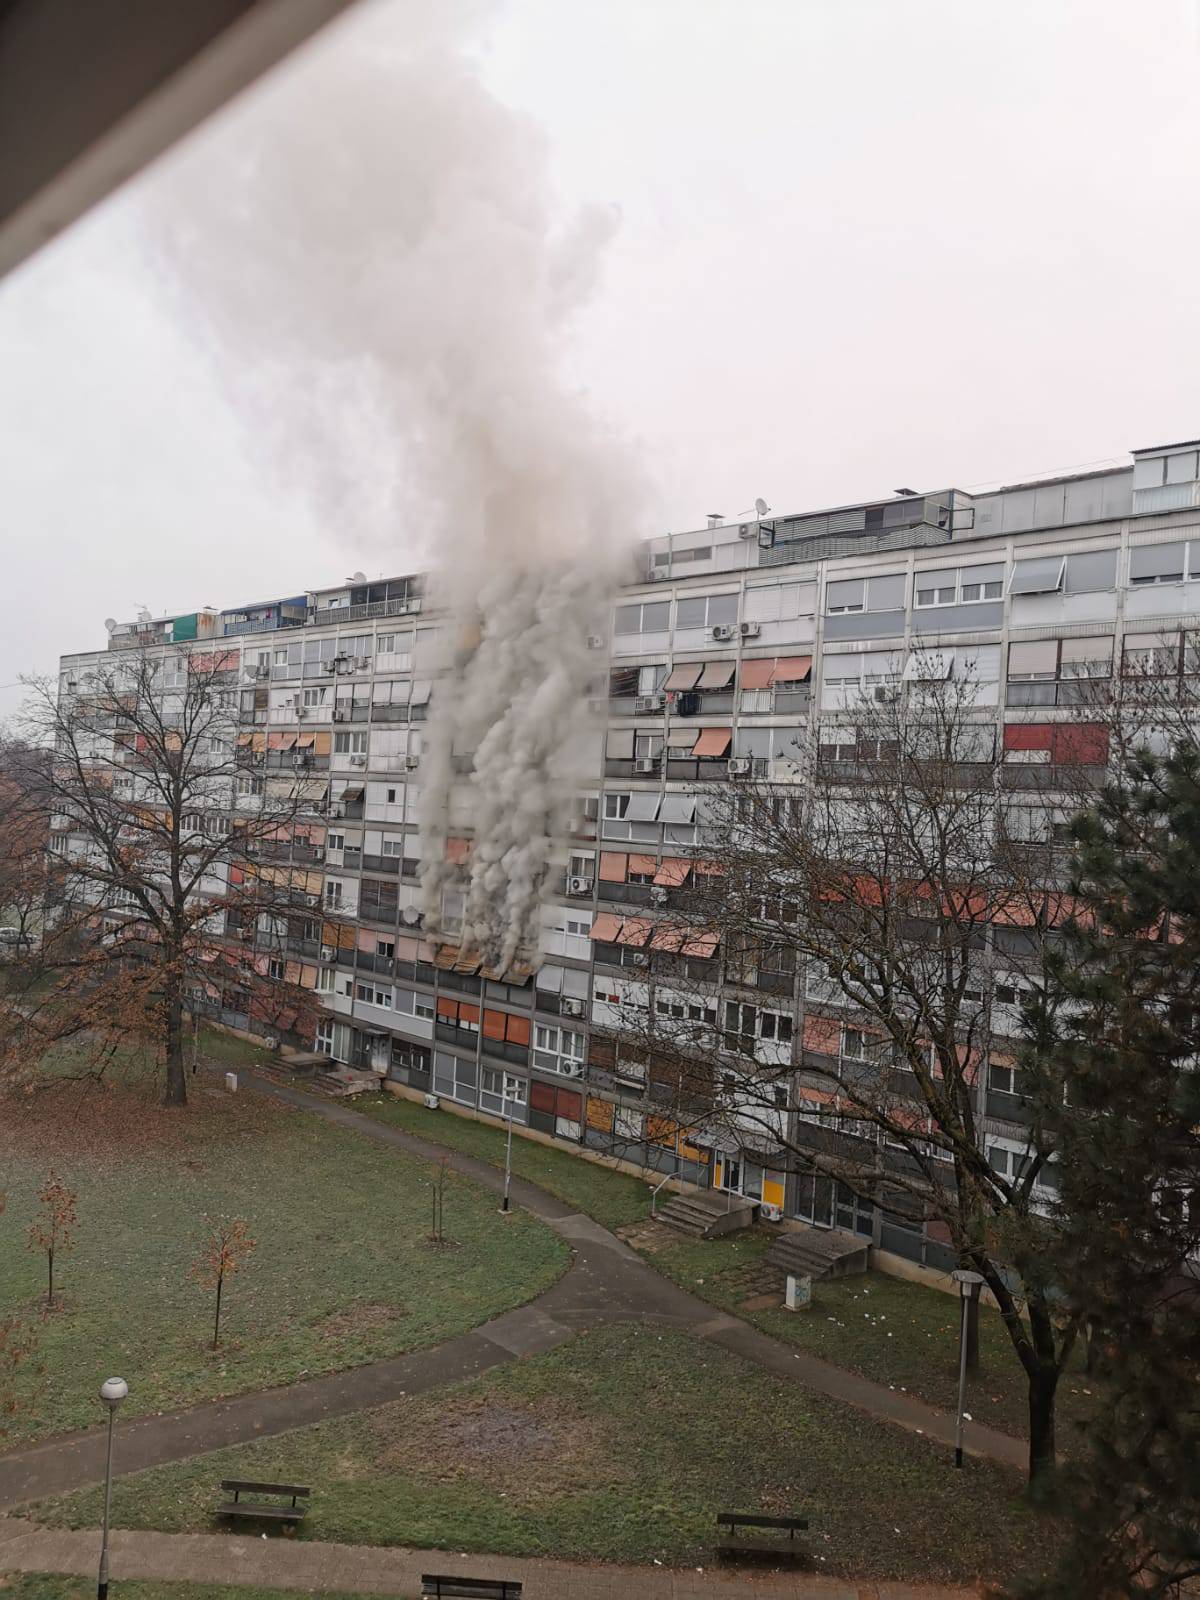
389 285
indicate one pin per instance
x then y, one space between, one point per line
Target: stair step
814 1253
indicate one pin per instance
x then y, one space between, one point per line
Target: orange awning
713 742
258 741
468 961
717 675
324 744
666 937
447 955
606 927
287 740
701 945
792 669
613 866
758 674
636 931
673 872
686 676
244 739
305 741
646 865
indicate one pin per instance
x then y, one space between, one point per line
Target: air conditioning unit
741 767
358 760
580 886
770 1213
751 630
723 631
327 952
638 958
747 530
409 608
432 1102
300 761
411 763
329 667
318 851
885 694
271 1042
646 767
645 703
595 642
340 714
571 1007
263 670
657 574
658 895
311 899
411 917
337 809
363 662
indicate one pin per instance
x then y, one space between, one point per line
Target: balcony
363 613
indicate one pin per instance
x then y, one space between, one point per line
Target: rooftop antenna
143 611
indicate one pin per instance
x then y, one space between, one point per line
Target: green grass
612 1198
896 1332
343 1272
53 1586
619 1446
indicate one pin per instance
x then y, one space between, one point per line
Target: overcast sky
863 243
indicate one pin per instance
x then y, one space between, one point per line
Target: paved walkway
364 1569
607 1282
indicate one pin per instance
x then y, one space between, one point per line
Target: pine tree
1116 1053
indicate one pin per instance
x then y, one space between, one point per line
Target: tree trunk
50 1284
217 1323
1043 1385
973 1333
176 1089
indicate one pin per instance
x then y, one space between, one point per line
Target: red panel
1029 735
493 1024
541 1097
1080 744
447 1008
516 1029
570 1104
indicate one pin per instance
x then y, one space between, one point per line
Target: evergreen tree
1115 1057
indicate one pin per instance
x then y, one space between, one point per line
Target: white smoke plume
374 235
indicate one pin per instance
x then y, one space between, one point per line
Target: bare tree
174 871
52 1233
226 1246
881 910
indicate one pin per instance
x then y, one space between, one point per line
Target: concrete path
606 1283
364 1569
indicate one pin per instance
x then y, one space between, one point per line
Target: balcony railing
361 613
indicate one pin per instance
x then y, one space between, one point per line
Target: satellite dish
110 623
358 577
761 506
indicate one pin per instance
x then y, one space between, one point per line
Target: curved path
606 1282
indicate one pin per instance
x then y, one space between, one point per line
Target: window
1050 672
885 593
314 697
502 1092
706 610
615 805
385 948
275 970
843 596
323 1041
558 1050
654 616
391 847
1038 575
1003 1078
350 744
373 994
960 586
324 980
335 842
856 1045
778 602
1164 563
333 892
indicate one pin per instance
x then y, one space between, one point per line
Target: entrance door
814 1199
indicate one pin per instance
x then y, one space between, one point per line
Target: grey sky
863 243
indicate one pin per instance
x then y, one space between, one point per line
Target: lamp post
969 1284
112 1392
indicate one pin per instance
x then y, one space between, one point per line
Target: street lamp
112 1392
969 1284
507 1163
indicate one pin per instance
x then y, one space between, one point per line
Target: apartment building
736 657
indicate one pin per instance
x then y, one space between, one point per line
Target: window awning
305 741
352 791
446 957
673 872
258 742
701 944
324 744
677 808
646 865
1038 575
244 739
792 669
468 961
420 691
636 931
685 676
717 675
668 937
927 666
758 674
613 866
287 740
713 742
605 927
550 980
275 740
642 808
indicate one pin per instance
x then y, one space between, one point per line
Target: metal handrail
654 1192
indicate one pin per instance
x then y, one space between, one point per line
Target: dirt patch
649 1236
760 1302
357 1320
525 1452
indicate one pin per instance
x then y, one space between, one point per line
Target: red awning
613 866
792 669
673 872
606 927
758 674
713 742
636 931
686 676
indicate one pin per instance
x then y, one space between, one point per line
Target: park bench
237 1507
449 1588
732 1543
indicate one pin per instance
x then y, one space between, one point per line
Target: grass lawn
886 1328
612 1198
619 1446
53 1586
343 1272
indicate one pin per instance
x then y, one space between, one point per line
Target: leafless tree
172 859
881 908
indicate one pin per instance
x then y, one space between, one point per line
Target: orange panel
613 866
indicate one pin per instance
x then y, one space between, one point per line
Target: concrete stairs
818 1253
706 1213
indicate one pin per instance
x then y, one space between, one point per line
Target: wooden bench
732 1543
237 1507
448 1588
